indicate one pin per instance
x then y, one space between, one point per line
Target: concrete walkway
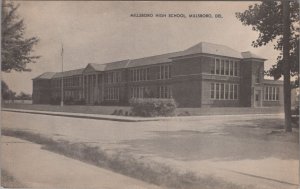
38 168
128 118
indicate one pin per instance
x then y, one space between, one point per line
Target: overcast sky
102 32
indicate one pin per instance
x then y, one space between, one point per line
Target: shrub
120 112
186 113
115 112
151 107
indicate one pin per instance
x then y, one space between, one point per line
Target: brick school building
204 75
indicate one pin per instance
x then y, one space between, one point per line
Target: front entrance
257 98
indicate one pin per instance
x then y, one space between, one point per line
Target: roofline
264 59
199 54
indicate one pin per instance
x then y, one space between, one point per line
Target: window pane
217 91
226 91
212 67
217 66
148 75
222 91
235 92
270 93
227 67
231 67
162 72
212 90
222 67
166 71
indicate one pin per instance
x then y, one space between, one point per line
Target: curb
128 119
80 115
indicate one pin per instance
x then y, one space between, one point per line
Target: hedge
152 107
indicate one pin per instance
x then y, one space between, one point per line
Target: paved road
37 168
240 149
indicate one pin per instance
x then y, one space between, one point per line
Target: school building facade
205 75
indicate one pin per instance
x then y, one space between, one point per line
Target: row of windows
89 80
113 77
143 74
69 94
271 93
140 74
144 92
224 91
112 93
137 92
68 82
225 67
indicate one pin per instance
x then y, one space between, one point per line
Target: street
248 150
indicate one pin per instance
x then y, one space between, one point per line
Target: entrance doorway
257 98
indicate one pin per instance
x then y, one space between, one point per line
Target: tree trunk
286 65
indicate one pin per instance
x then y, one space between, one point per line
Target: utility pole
62 76
286 64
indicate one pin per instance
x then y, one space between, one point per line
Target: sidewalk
38 168
131 119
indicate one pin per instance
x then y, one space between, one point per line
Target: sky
102 31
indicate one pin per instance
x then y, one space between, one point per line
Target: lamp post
62 76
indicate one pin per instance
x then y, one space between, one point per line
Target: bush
186 113
152 107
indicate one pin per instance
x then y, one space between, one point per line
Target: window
236 68
231 68
137 92
225 67
212 90
164 72
111 77
231 92
112 93
277 93
271 93
224 91
165 92
212 67
217 91
235 91
217 66
222 67
267 93
138 74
